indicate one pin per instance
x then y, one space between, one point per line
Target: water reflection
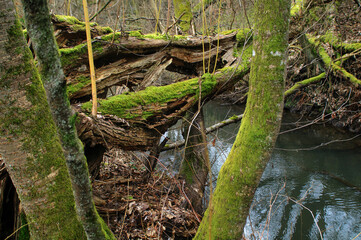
298 188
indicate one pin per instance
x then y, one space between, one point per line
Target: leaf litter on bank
134 209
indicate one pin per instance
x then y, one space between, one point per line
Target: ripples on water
310 178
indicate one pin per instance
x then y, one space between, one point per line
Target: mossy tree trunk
29 144
240 174
194 168
41 33
182 10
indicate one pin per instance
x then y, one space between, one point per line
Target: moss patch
124 105
183 7
77 25
79 83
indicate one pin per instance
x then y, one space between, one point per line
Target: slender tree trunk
29 144
41 33
240 174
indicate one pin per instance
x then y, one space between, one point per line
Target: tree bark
194 168
29 144
182 10
41 33
239 176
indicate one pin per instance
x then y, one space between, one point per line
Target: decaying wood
109 132
138 133
137 62
132 61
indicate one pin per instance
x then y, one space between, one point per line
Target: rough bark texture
239 176
29 144
194 168
41 33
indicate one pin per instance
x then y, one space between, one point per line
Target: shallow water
306 191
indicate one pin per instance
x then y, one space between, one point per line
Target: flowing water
310 187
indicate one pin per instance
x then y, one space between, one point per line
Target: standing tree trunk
194 168
238 179
41 33
29 144
182 10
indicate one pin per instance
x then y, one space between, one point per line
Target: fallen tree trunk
135 121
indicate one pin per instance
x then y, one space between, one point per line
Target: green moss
296 8
228 32
69 56
234 117
35 130
334 66
183 7
330 38
78 84
25 32
24 233
243 36
77 25
164 37
138 34
134 105
107 29
68 19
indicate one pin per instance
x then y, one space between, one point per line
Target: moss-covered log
29 144
138 119
304 83
332 65
239 176
69 31
131 61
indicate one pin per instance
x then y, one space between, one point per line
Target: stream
309 189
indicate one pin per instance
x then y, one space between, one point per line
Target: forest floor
137 209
